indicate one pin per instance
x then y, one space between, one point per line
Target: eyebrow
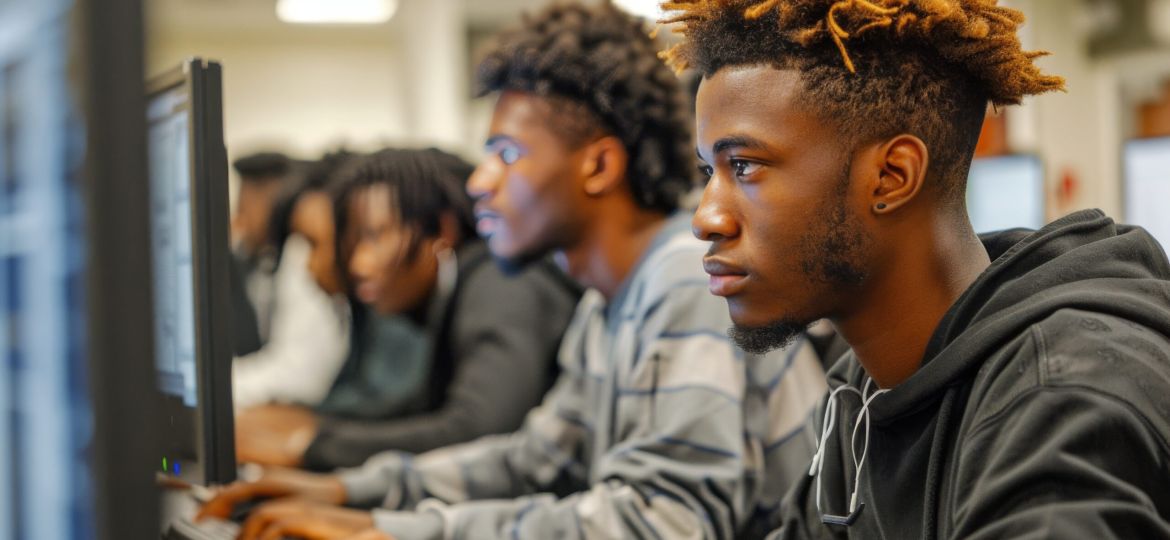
733 141
494 139
738 141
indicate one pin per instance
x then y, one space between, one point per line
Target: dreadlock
423 184
596 67
876 67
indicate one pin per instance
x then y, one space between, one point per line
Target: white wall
303 93
307 89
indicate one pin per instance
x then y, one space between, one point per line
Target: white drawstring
818 462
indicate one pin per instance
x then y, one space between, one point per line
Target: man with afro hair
657 427
1011 385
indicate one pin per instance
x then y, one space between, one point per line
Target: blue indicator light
177 469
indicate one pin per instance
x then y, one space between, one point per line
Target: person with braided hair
1014 384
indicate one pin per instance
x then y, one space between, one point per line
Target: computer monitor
1005 192
76 448
190 250
1147 186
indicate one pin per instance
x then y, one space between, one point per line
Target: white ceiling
259 16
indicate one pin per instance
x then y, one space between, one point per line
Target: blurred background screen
45 421
1005 192
1147 186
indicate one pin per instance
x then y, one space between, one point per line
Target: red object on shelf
1154 116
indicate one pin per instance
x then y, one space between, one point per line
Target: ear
603 165
902 163
449 235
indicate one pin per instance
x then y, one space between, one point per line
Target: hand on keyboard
274 484
304 519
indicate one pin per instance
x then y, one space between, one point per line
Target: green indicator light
164 464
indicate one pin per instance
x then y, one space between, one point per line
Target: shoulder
671 271
482 279
1073 352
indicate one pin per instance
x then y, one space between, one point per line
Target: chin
514 261
748 315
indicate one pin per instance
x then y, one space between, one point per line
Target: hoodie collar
1083 260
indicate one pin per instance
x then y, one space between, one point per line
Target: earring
880 206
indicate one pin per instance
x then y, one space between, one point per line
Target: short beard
833 254
763 339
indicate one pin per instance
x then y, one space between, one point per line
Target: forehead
315 201
524 117
372 204
760 102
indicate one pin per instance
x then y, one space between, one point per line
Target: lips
486 223
726 279
367 292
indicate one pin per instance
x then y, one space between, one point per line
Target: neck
900 307
614 242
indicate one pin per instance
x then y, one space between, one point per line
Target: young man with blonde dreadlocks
1011 385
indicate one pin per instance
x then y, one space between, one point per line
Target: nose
485 178
713 219
361 261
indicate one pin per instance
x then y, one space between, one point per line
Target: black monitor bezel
215 429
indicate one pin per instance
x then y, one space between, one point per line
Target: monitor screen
174 281
1006 192
1147 186
189 251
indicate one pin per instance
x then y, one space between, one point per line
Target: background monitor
1005 192
1147 186
190 258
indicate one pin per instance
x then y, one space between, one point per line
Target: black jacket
493 355
1042 409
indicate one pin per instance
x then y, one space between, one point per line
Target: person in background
262 178
304 210
410 246
306 328
1010 385
658 427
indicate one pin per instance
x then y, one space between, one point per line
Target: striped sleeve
676 468
542 454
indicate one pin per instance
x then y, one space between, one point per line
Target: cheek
521 198
776 228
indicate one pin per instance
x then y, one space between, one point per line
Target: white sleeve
307 344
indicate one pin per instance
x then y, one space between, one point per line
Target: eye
744 168
706 170
509 154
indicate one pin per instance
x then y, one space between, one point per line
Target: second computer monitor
190 250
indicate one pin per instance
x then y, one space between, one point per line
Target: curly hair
598 69
876 67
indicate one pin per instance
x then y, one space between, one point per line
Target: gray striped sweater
658 427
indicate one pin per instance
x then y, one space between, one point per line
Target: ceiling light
336 11
647 9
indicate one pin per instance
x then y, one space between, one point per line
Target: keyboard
208 529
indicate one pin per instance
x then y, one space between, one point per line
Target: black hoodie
1041 410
